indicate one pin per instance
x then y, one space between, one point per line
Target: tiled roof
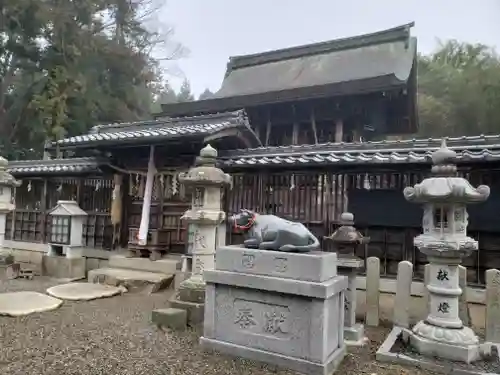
365 63
159 130
469 149
388 53
55 166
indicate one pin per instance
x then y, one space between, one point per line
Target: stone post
345 240
445 242
206 215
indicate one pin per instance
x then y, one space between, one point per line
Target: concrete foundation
61 267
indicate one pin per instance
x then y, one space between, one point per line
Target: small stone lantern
205 218
7 185
8 268
67 220
345 241
445 242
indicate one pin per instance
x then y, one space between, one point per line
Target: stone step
167 265
131 279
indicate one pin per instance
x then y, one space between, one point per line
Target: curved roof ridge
401 32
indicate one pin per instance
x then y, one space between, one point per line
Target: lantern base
453 344
192 290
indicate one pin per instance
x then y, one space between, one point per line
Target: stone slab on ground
131 279
84 291
171 317
385 354
296 364
25 303
195 311
166 266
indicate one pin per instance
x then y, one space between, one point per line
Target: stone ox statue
270 232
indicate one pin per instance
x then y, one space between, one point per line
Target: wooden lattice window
60 230
98 231
28 226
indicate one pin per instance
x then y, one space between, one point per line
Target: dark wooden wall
375 197
37 196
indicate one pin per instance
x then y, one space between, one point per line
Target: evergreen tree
207 94
185 94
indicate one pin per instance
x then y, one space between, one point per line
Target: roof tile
158 129
469 149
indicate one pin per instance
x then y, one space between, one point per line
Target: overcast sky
213 30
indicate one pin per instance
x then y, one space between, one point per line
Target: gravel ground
114 336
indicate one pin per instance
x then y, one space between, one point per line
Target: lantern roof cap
205 171
6 179
445 186
346 233
67 208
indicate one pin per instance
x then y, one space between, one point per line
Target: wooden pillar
313 125
295 130
268 127
355 136
339 130
43 209
146 203
257 131
116 209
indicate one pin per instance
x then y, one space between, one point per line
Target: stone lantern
67 220
7 185
444 196
205 218
345 241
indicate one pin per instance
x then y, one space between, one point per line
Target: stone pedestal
286 309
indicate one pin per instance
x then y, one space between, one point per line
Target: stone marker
493 306
372 291
402 301
463 307
296 323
